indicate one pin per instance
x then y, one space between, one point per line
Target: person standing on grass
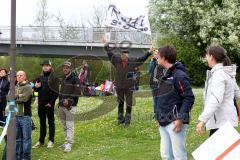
124 81
23 97
47 96
174 105
155 72
4 88
68 99
220 88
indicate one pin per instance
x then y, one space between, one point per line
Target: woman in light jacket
219 92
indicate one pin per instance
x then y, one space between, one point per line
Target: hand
37 84
65 102
151 49
177 125
104 39
158 125
48 105
200 128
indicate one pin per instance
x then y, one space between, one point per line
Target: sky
72 11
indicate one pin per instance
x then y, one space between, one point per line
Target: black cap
47 62
0 32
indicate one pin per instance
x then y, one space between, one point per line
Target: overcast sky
73 11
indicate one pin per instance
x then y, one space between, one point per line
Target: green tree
201 22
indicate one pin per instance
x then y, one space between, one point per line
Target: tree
43 18
99 16
201 22
69 31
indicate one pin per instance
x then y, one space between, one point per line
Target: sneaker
68 147
38 145
121 119
50 144
127 119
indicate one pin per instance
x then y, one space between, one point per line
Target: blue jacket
175 96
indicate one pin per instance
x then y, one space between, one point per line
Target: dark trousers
46 113
212 131
3 104
121 94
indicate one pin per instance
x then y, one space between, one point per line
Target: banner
222 145
116 19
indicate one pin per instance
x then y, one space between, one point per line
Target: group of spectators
173 98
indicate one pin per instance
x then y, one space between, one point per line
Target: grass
102 139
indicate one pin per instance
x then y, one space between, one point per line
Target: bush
189 55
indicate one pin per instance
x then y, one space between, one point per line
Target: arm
236 91
26 94
215 99
151 67
112 58
73 99
36 88
183 87
139 61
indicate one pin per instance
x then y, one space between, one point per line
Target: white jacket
220 87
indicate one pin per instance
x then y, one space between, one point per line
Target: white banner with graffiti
116 19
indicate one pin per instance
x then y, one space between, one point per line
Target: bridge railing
75 34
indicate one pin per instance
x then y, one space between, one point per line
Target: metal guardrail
75 34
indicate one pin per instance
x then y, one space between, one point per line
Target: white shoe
68 147
38 145
50 144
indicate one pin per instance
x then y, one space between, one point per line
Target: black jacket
4 87
124 76
175 96
69 89
47 93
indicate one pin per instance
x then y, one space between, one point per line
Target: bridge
72 41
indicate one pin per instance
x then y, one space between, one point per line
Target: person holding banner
174 105
124 81
219 92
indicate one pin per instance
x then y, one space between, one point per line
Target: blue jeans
172 145
23 137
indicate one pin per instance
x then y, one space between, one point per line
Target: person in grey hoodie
220 89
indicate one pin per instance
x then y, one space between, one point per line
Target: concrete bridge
73 41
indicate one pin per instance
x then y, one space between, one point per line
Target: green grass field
102 139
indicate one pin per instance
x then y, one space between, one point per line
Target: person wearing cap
124 81
68 99
47 95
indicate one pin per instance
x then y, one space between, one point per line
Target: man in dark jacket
46 102
124 81
174 105
68 99
4 88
